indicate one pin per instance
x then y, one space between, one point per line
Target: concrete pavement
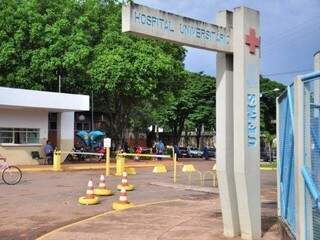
45 201
168 220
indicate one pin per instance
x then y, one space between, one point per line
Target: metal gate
311 167
286 158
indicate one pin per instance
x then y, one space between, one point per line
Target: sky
290 33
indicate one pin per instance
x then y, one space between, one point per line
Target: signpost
236 39
107 146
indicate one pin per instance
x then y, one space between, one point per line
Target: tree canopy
136 82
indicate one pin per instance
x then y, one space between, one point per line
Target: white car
195 152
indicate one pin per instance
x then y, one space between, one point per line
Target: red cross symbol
252 41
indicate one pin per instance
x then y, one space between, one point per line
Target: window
53 121
83 126
20 135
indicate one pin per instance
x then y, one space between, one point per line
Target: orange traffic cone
124 183
102 190
123 202
123 196
90 198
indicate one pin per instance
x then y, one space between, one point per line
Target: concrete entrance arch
236 39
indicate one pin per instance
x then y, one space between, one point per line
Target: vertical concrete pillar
224 136
301 133
278 157
246 47
65 133
317 61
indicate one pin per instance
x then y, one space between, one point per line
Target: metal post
92 122
174 168
59 77
107 161
57 160
278 156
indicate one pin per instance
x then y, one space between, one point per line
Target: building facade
25 122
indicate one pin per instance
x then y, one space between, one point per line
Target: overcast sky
290 33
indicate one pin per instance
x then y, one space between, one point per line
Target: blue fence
306 114
286 158
311 168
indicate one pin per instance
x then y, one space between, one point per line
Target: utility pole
59 77
92 121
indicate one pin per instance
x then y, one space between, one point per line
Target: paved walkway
94 166
176 219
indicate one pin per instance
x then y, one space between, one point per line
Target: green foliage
136 82
43 39
82 42
192 103
204 88
268 104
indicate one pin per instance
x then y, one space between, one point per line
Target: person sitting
138 151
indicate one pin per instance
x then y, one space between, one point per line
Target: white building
24 121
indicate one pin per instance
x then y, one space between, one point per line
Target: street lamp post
273 90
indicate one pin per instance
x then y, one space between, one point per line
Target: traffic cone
123 202
89 198
124 183
102 190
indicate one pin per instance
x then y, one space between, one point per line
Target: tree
81 41
268 111
203 114
41 40
268 104
126 71
192 101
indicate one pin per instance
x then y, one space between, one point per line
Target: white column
317 61
65 132
278 157
300 155
247 122
224 136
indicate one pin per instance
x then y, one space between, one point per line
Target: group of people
158 149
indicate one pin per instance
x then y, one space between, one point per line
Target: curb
81 168
267 169
43 237
186 187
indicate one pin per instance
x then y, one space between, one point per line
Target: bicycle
11 175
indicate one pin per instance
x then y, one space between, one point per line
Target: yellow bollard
57 160
119 165
188 168
131 171
107 161
159 168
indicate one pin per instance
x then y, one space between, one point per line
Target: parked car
195 152
211 152
183 152
264 155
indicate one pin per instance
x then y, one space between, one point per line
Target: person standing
160 149
176 151
48 150
206 153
